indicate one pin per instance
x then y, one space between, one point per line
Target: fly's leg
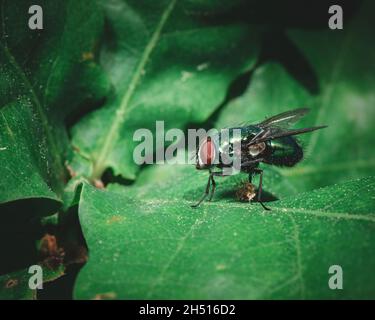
260 172
250 177
213 187
214 174
206 192
250 180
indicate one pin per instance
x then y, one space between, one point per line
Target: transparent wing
278 126
275 133
284 120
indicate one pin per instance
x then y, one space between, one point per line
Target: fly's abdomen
283 152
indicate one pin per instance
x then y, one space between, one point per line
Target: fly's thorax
257 149
228 139
252 151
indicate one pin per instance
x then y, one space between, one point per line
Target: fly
271 142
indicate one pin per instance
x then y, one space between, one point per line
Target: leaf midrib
100 165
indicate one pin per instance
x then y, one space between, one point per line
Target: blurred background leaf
333 73
45 74
165 63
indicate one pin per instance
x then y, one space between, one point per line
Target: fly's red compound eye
207 152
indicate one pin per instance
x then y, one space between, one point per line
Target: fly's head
206 154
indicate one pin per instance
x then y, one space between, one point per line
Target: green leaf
145 241
15 285
166 63
342 64
44 75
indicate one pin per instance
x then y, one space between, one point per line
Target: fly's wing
277 126
275 133
284 120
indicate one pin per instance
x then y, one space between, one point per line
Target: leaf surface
145 241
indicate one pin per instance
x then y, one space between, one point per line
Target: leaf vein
99 165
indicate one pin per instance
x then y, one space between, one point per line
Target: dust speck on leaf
186 75
115 219
71 171
98 184
203 66
86 56
11 283
221 267
105 296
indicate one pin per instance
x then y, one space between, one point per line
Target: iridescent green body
284 151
